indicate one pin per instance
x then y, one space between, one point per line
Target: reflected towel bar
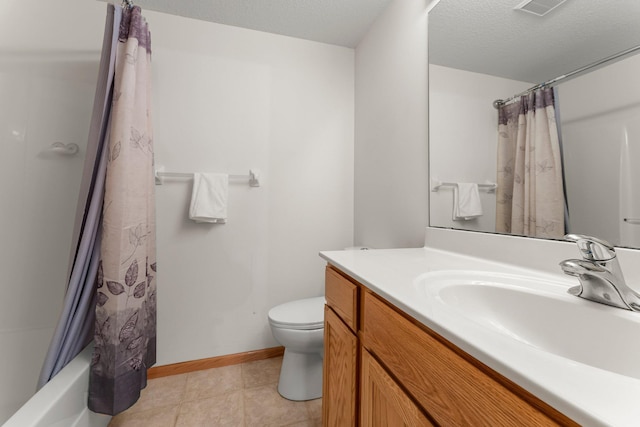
253 177
436 185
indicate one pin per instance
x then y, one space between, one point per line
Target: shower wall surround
39 189
603 135
47 84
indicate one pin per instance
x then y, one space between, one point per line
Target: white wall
47 84
464 151
228 99
600 114
391 160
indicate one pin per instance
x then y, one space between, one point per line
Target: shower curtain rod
550 83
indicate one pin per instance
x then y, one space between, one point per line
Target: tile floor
242 395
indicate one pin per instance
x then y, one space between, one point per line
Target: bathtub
62 402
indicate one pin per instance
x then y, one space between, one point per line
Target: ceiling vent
539 7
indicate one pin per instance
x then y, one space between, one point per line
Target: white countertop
588 395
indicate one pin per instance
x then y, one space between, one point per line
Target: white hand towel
466 201
209 197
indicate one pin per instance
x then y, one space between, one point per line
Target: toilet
299 327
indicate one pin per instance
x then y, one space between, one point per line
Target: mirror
486 50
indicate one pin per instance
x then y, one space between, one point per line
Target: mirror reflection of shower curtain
530 197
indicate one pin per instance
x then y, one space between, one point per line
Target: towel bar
436 185
253 177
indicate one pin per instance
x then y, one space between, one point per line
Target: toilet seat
304 314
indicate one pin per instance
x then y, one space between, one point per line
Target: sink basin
538 313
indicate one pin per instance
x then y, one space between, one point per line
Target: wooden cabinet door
383 403
339 380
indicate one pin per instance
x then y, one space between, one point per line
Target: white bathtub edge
63 399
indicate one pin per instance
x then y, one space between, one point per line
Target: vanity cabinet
383 368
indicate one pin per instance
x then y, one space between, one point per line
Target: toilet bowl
299 327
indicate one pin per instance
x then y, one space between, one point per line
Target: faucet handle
592 248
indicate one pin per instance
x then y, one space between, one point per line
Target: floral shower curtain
125 326
530 198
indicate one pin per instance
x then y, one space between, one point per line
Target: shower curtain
530 195
125 328
112 289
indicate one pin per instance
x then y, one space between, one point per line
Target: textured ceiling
339 22
489 37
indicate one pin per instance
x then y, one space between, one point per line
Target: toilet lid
300 314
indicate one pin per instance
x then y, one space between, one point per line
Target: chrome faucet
599 272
